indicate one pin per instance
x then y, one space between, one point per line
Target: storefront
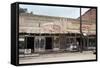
41 33
46 43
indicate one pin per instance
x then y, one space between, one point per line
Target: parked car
73 47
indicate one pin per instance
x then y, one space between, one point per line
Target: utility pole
81 34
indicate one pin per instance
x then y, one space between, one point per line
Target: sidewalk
86 55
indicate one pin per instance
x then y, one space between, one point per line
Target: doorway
48 43
39 44
30 43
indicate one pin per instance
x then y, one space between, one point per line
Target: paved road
87 55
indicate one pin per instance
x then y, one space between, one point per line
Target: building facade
42 34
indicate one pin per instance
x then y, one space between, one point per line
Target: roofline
52 16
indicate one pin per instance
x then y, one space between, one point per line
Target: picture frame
52 33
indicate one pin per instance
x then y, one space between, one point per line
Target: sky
68 12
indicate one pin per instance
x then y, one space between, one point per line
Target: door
92 43
39 44
62 42
48 43
30 43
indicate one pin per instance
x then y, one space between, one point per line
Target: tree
22 10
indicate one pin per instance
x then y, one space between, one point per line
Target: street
86 55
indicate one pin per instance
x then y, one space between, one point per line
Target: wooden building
57 34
